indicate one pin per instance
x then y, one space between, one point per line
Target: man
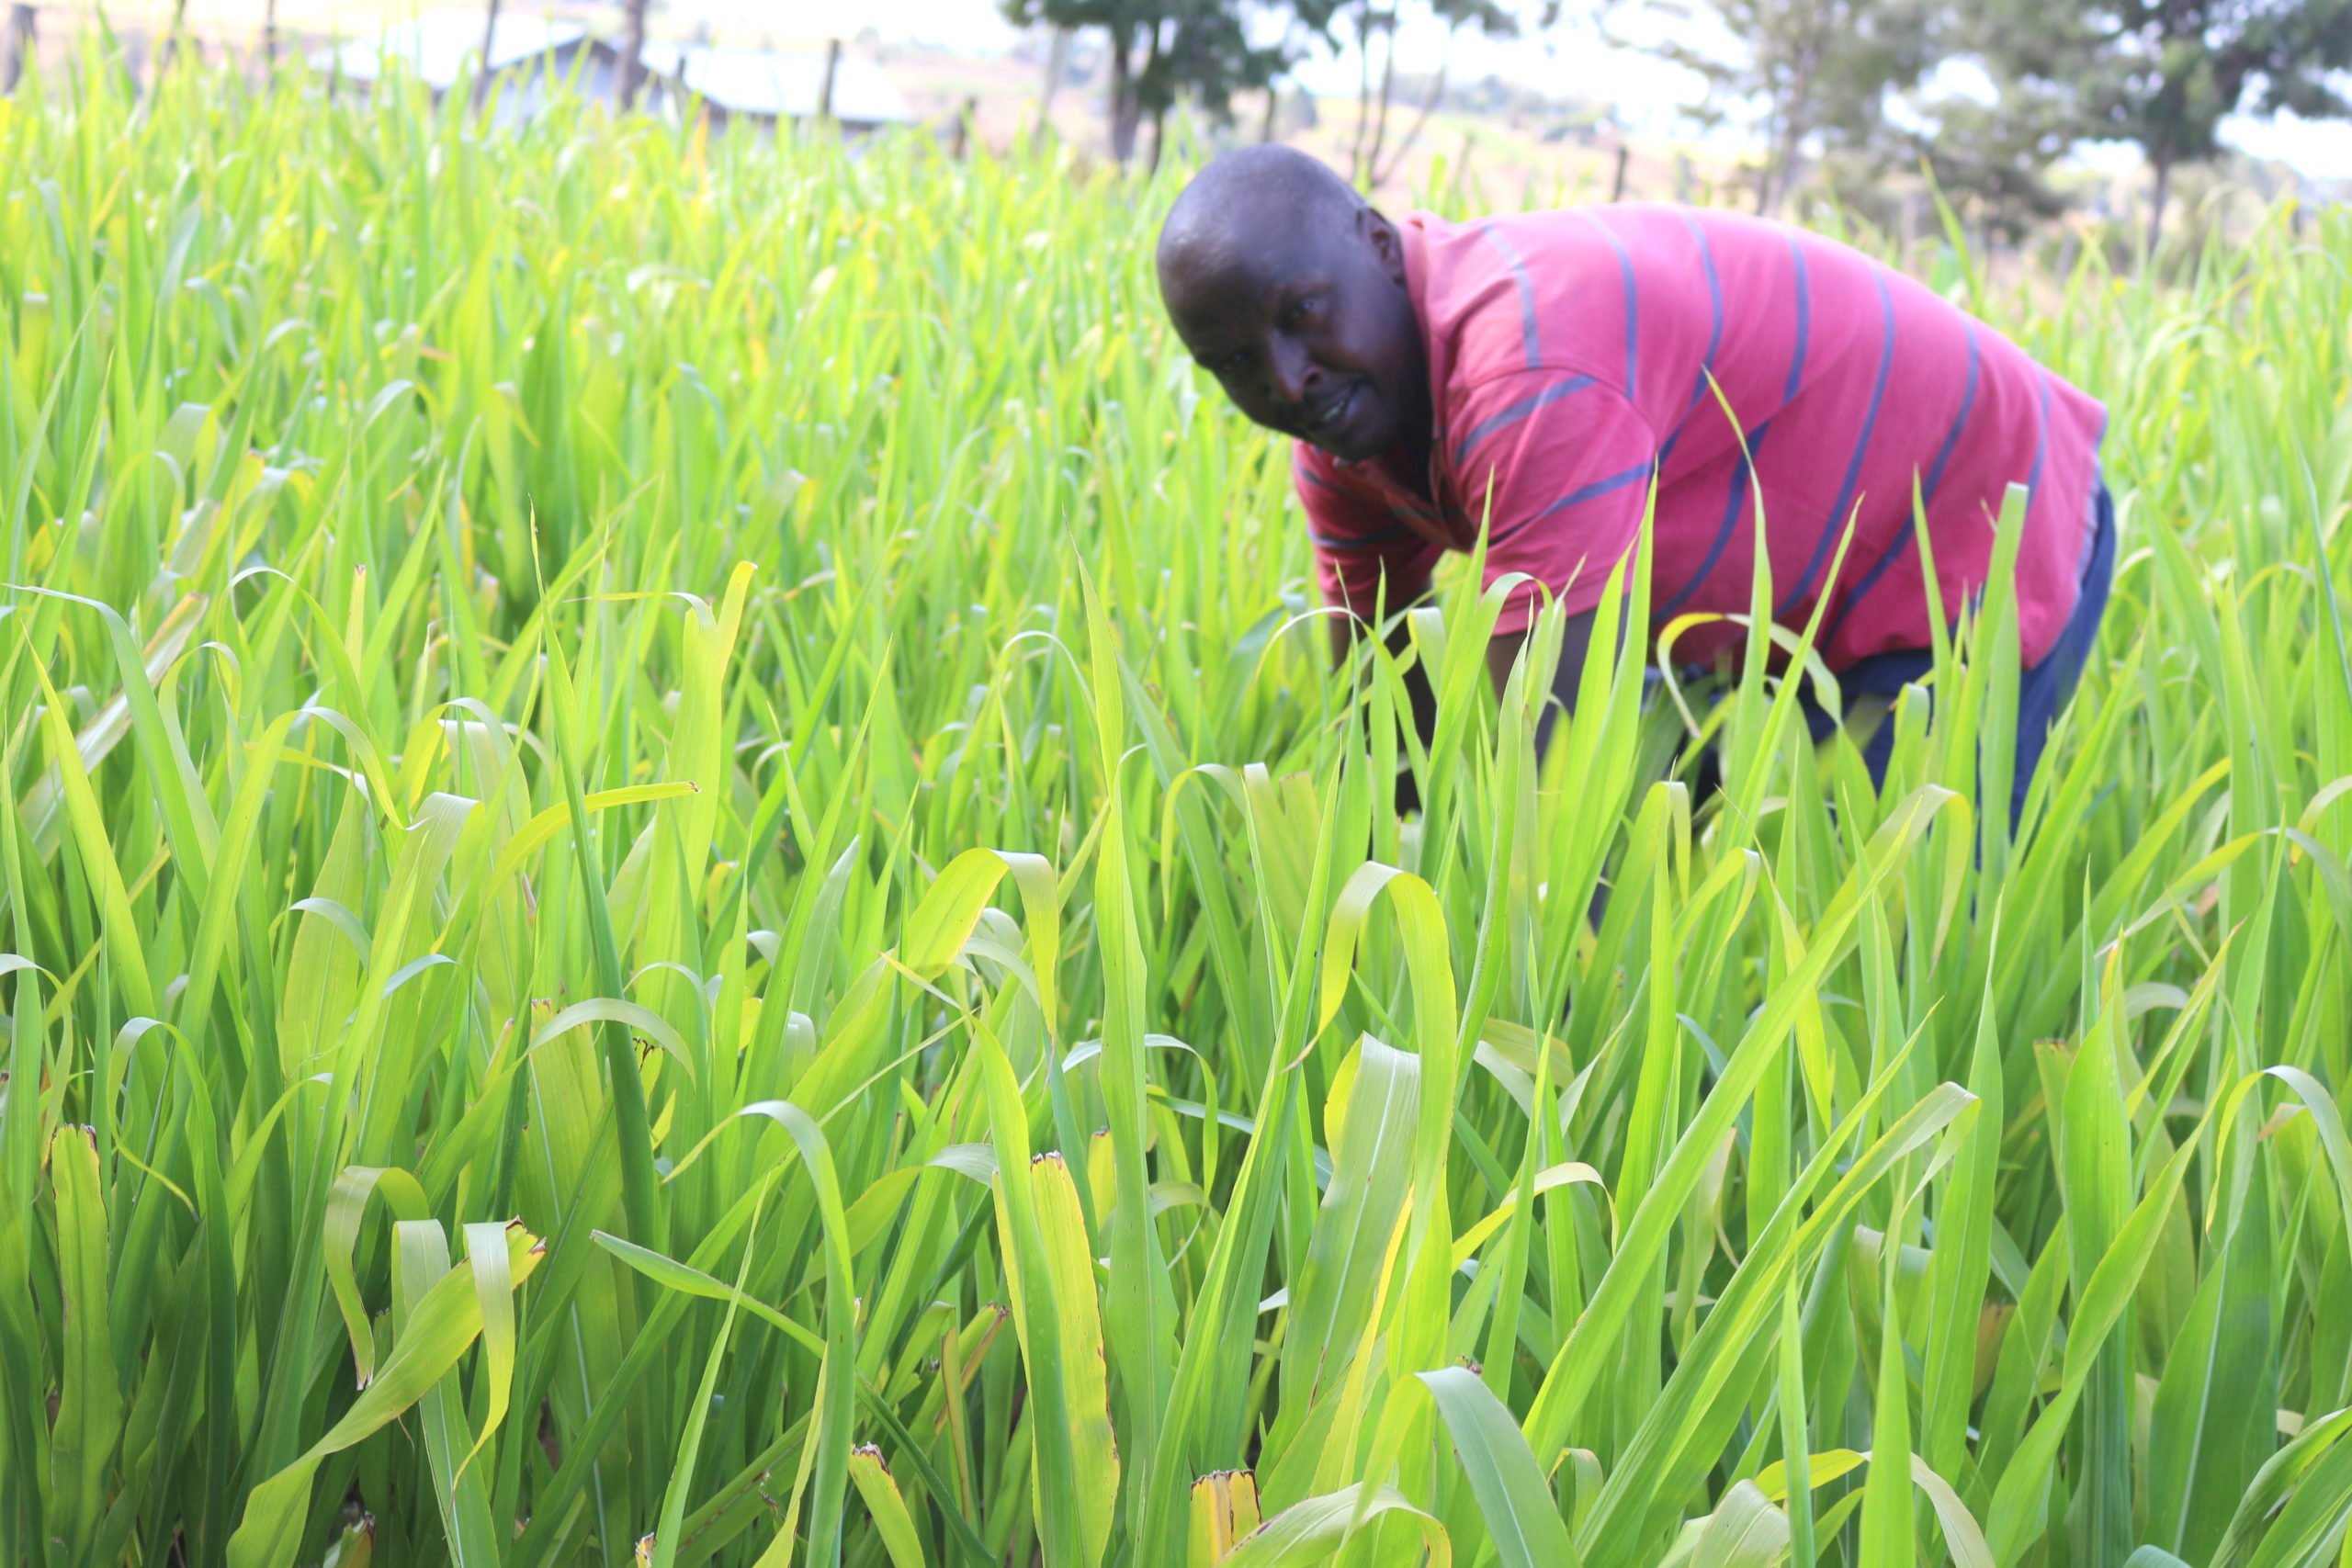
1543 372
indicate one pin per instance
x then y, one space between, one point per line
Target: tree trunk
1057 62
1789 128
1158 140
1413 134
630 77
17 48
1780 164
2163 164
269 37
1147 74
171 49
482 66
1274 106
1780 168
1364 23
1124 115
825 87
1764 167
1387 97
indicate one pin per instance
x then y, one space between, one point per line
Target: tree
1056 66
631 76
1369 19
1989 152
1202 51
1162 52
1119 20
16 45
1812 72
482 66
2164 75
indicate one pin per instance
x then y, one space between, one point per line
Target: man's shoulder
1649 236
1550 294
1493 247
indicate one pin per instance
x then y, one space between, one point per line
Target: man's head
1290 290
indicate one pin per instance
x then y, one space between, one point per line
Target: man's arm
1364 559
1566 465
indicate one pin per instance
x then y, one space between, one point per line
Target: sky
1572 59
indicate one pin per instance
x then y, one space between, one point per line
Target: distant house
760 87
531 56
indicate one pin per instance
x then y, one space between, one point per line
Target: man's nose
1291 372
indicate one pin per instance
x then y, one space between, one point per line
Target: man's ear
1387 243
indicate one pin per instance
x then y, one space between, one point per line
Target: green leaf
1888 1536
888 1509
346 1206
1309 1531
89 1401
440 1328
1744 1531
1521 1517
950 911
614 1009
2215 1421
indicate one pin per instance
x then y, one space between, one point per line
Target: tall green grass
682 884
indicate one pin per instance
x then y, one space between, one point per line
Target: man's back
1573 354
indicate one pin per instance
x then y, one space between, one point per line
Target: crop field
681 883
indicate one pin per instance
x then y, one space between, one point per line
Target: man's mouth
1333 414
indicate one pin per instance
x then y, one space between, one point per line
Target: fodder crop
680 881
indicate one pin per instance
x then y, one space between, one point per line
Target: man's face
1309 328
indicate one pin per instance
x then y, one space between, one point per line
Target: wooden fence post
17 47
825 90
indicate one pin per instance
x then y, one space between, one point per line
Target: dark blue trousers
2043 690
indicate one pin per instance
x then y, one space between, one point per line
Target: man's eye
1232 363
1301 309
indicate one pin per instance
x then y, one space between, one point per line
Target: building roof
436 43
778 85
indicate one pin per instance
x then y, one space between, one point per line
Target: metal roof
436 43
779 86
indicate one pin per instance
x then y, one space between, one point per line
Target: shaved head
1231 201
1290 289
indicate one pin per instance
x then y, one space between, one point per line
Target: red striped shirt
1574 354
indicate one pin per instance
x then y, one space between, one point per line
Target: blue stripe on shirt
1928 488
1835 525
1804 323
1512 414
1633 304
1715 333
1529 339
1754 444
1364 542
2041 436
1739 480
1592 491
1935 478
